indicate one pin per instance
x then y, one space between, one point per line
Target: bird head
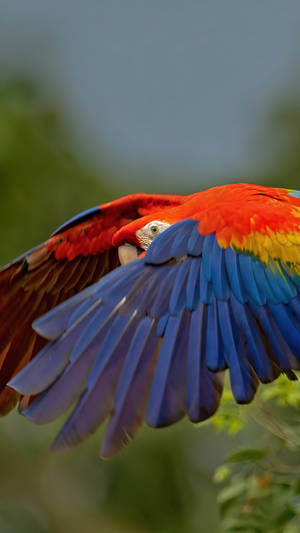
134 239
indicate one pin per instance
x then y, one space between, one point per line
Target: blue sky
176 87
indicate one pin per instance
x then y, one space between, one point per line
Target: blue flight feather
218 272
63 392
288 326
49 363
256 349
146 292
132 360
110 342
241 378
294 305
180 241
160 305
205 287
44 368
249 283
113 290
95 329
97 401
195 354
264 284
178 295
233 274
281 351
193 284
203 387
195 242
132 390
162 324
207 260
53 324
167 397
214 350
283 288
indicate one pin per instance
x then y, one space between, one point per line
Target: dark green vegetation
164 482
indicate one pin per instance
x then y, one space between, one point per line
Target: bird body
214 285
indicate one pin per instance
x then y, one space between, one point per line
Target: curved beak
127 252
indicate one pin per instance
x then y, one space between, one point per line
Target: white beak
127 252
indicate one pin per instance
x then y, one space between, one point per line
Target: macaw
133 310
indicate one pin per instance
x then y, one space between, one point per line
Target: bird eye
154 230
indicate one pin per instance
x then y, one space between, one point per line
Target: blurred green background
238 473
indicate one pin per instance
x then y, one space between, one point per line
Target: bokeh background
99 99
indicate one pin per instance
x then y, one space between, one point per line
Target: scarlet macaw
215 285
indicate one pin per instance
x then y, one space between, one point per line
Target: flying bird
133 311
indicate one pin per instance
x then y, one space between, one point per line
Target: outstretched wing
77 255
151 340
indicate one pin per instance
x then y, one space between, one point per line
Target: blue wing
150 341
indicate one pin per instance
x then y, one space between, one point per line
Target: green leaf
250 454
222 474
232 491
285 516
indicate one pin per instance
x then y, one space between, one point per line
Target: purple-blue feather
204 388
242 381
214 349
258 356
133 388
167 397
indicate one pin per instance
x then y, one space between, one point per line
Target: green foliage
285 392
261 485
229 417
247 454
261 490
258 498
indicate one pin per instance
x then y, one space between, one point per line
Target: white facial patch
151 230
